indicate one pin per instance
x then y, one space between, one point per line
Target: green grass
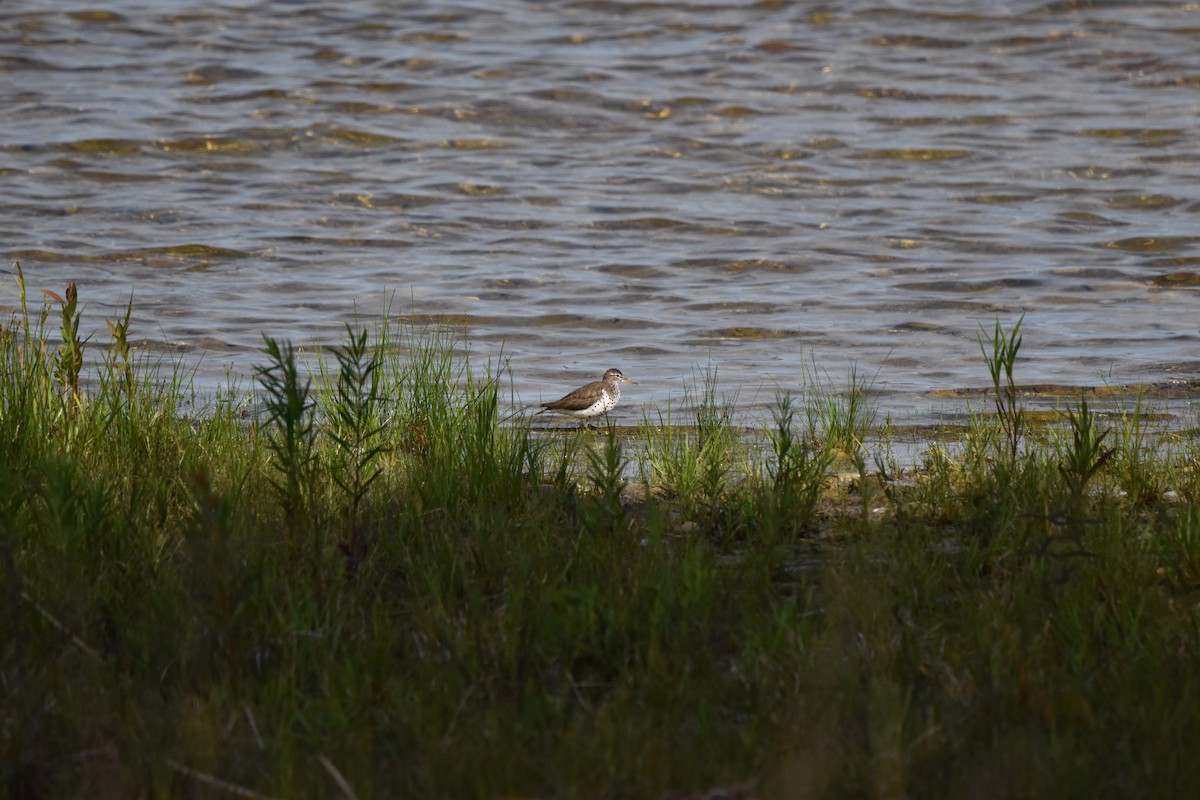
361 580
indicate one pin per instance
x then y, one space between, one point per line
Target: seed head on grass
119 359
68 360
29 402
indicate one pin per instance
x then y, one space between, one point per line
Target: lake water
659 186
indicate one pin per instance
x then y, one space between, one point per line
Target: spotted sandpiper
596 398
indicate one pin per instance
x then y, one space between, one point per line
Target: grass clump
693 460
376 578
356 428
290 429
1001 360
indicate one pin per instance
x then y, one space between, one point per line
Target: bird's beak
628 381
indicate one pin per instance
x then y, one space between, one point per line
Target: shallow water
759 187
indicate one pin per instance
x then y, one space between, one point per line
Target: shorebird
592 400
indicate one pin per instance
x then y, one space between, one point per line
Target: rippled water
651 185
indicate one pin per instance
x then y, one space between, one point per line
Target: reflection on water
757 186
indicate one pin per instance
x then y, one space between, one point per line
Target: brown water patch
101 176
385 87
634 271
690 100
479 189
475 144
913 40
183 251
145 255
198 343
387 202
43 255
640 223
1149 202
915 327
1154 135
1177 279
777 46
745 265
441 320
1144 244
360 137
1069 392
745 307
577 321
965 287
96 16
1089 217
915 154
1178 261
1096 274
107 147
211 145
1092 172
1026 41
1002 199
219 73
751 333
512 283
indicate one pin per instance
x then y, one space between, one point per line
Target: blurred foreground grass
368 584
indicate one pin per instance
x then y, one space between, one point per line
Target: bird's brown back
578 400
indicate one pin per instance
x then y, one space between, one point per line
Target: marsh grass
355 427
363 580
796 474
846 417
606 472
1084 455
691 450
290 429
1000 355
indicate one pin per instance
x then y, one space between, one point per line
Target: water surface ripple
650 185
